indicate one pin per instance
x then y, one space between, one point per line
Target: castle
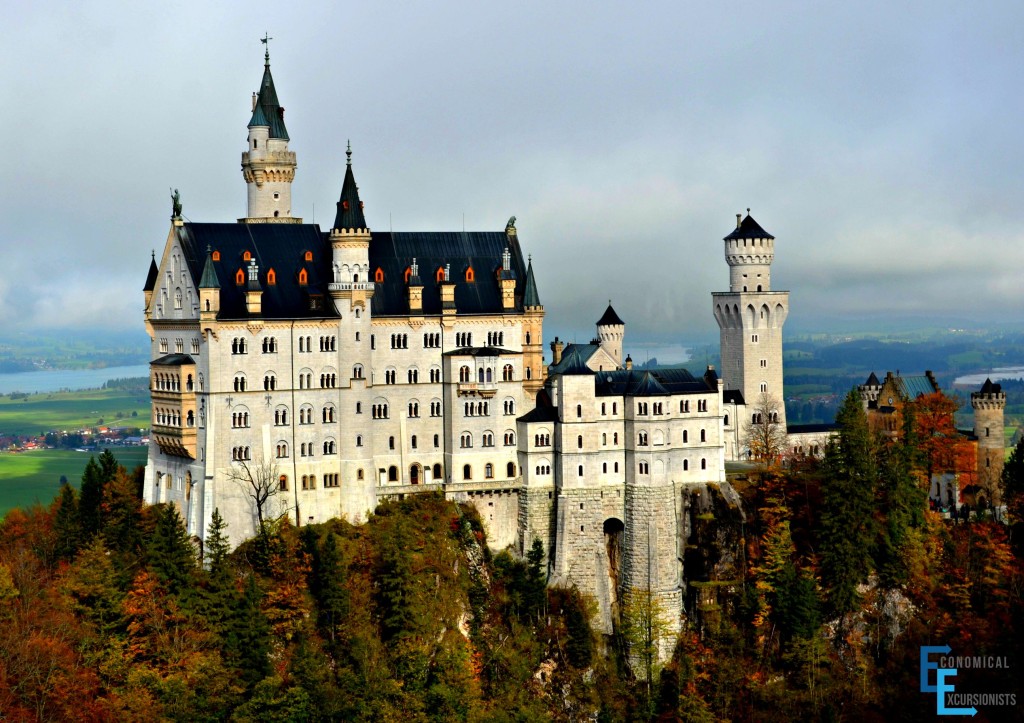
313 374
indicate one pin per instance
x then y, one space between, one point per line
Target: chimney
556 351
253 102
738 217
629 362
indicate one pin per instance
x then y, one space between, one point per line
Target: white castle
351 366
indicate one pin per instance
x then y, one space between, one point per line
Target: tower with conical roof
267 165
750 316
610 332
989 405
534 370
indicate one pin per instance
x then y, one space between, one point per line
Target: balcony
477 389
350 286
175 441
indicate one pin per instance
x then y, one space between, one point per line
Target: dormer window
408 274
470 276
439 276
240 277
215 256
271 277
303 277
246 256
308 256
378 275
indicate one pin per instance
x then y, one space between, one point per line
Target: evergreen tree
1013 484
66 527
122 514
91 499
848 502
108 466
395 584
536 579
218 544
247 643
171 556
330 593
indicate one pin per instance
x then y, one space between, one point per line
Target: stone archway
414 474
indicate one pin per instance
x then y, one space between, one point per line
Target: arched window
510 470
271 277
239 277
392 473
464 374
467 472
489 471
215 256
470 276
303 277
378 275
579 442
703 436
246 256
408 273
703 463
439 274
308 256
686 465
579 410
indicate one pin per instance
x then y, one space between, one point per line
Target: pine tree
108 466
122 514
247 643
848 501
91 499
1013 484
66 527
218 544
171 556
332 597
536 582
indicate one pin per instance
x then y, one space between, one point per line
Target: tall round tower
750 316
267 165
989 405
610 332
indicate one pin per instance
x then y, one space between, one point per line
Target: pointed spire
610 318
151 276
209 278
268 111
350 208
530 295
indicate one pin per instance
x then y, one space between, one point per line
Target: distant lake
976 380
53 380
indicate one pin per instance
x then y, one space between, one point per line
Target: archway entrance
414 474
613 529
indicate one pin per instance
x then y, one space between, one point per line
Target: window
271 277
686 436
391 442
579 411
510 439
507 374
435 375
510 406
306 415
603 409
702 405
686 465
414 409
470 276
644 468
764 387
489 471
753 338
437 471
414 376
177 298
282 450
328 380
240 419
270 345
239 382
179 346
378 275
269 382
580 471
330 447
579 442
703 436
725 421
328 414
604 467
412 442
487 439
615 437
642 439
703 463
604 439
464 374
359 440
467 472
359 407
357 371
466 440
331 480
764 363
195 346
380 411
510 470
432 341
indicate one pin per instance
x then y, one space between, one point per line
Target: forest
809 604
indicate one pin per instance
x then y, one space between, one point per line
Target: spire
350 208
610 318
268 111
530 295
209 278
151 276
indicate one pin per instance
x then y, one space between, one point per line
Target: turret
508 281
150 285
209 290
749 251
267 165
610 332
253 291
350 244
533 326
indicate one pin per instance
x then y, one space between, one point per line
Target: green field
68 411
29 477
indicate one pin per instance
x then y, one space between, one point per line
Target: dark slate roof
748 228
544 411
530 295
582 351
173 360
151 276
476 351
812 428
350 209
634 382
573 361
268 111
872 381
733 396
276 246
989 388
610 318
482 250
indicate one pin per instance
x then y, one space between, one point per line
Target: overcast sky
882 146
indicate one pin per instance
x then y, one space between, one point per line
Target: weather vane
266 41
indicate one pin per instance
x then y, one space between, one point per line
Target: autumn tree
763 434
1013 483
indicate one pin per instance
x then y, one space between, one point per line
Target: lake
53 380
976 380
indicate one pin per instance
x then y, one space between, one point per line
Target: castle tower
750 316
989 404
267 165
610 331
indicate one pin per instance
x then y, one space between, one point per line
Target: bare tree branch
763 433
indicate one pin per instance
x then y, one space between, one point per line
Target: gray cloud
880 144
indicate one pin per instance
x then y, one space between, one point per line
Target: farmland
37 414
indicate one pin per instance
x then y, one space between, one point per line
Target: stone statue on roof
511 225
175 204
